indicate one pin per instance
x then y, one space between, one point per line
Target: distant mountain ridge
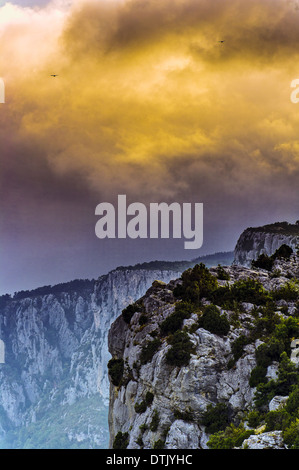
224 258
266 239
56 353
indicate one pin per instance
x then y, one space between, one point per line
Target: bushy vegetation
196 284
180 352
238 349
149 350
266 262
222 275
216 418
186 415
287 377
269 322
142 406
159 444
278 227
155 421
174 321
143 320
116 370
287 418
212 321
288 292
121 440
230 438
129 311
199 283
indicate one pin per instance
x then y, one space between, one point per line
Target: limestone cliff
255 241
158 403
53 385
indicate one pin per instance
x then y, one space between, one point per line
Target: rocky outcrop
158 404
56 358
266 440
264 240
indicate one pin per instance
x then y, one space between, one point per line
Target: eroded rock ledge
157 405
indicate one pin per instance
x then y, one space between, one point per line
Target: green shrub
249 290
140 407
174 321
230 438
286 330
155 421
277 420
265 354
284 252
266 262
116 370
265 325
216 418
213 321
149 350
159 444
288 292
287 376
286 381
143 319
238 346
139 442
263 262
292 405
291 435
254 418
121 440
196 284
222 274
149 397
186 415
258 376
180 352
129 311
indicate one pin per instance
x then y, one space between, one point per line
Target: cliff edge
203 361
255 241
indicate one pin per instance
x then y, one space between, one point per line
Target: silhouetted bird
54 75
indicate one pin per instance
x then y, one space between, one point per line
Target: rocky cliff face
160 404
264 240
54 380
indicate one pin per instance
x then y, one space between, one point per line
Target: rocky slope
264 240
159 401
53 385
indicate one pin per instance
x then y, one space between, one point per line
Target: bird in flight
54 75
221 41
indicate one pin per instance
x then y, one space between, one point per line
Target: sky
148 103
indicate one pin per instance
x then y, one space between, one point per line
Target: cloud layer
149 103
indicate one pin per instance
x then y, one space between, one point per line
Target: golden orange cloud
148 101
